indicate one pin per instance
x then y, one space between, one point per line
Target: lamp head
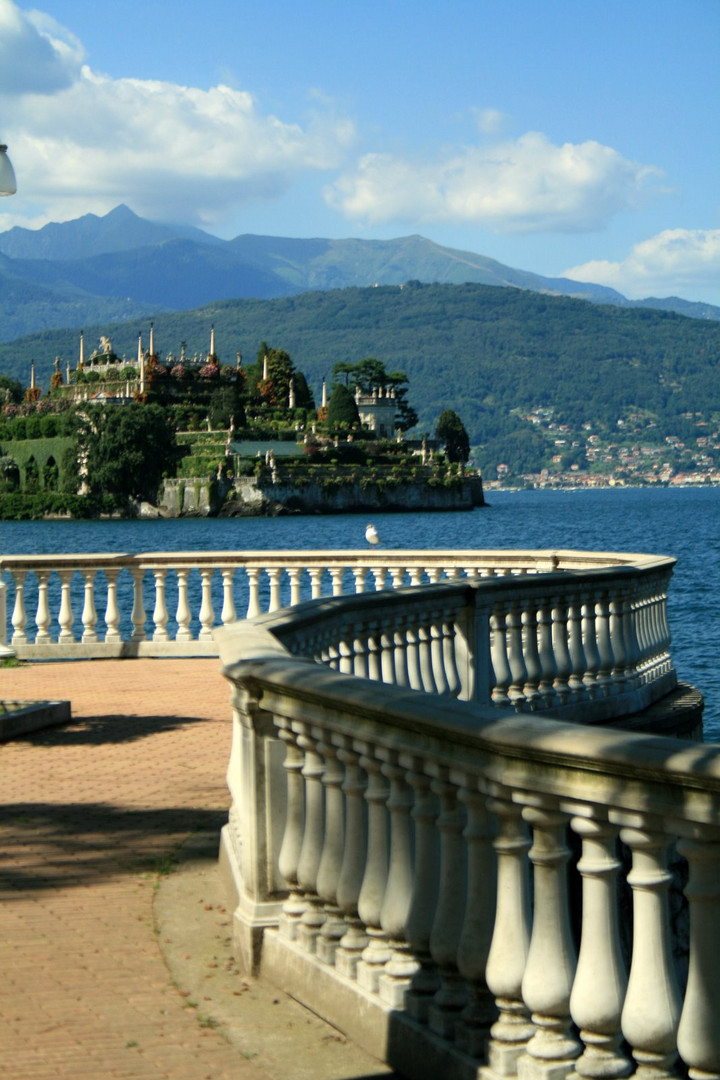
8 184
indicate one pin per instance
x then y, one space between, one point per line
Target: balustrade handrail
673 778
420 874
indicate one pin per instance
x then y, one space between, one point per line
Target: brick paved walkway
87 813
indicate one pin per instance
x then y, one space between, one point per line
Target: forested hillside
492 354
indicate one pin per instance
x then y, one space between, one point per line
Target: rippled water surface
682 523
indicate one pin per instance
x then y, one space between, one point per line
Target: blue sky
561 136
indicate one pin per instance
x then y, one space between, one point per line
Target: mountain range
121 267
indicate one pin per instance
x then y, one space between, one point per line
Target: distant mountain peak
124 257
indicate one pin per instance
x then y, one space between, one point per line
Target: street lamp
8 186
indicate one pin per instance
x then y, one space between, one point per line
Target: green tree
451 432
128 449
370 374
226 406
342 409
281 370
10 389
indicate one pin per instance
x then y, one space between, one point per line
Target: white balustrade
538 630
436 908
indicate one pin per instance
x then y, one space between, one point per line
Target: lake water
682 523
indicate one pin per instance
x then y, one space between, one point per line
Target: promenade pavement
112 966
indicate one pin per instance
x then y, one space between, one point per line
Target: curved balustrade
569 632
167 604
440 928
591 645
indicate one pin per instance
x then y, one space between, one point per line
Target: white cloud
83 142
490 121
526 185
37 55
673 262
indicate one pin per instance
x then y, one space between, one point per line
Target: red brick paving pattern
86 813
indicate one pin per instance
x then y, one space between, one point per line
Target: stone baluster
228 613
360 650
451 997
423 901
617 637
66 618
295 576
425 660
160 612
139 615
273 574
337 573
328 875
289 856
89 614
516 657
316 576
507 958
533 667
651 1012
600 982
642 618
372 893
592 653
397 576
182 615
550 970
546 687
452 675
658 630
207 613
699 1031
416 575
659 637
434 573
474 1024
576 650
383 578
394 981
394 658
352 870
632 647
42 615
502 675
606 656
313 917
375 651
112 611
346 654
359 575
253 609
437 654
665 629
563 665
332 657
412 657
19 615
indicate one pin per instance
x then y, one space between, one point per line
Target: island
185 435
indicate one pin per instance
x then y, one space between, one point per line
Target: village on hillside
634 452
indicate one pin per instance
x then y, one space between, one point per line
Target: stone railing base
388 1034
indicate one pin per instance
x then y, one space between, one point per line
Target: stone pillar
651 1012
550 970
